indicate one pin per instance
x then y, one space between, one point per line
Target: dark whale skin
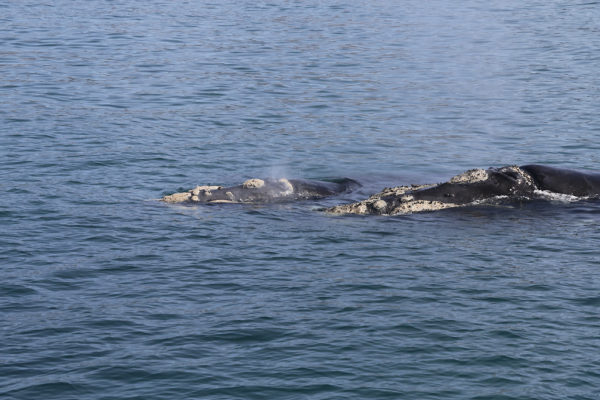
499 182
565 181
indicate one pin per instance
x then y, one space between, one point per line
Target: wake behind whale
473 187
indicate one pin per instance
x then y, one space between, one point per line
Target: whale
479 187
473 187
261 191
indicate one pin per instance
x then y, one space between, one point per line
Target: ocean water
105 106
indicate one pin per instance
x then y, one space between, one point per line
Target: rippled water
106 106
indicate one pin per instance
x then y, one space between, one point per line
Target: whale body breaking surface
258 191
473 187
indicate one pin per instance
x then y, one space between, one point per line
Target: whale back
505 181
564 181
309 189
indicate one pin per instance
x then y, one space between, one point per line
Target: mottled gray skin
265 191
566 181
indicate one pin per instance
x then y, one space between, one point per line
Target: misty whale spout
257 191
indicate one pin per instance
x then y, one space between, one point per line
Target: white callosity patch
380 205
253 183
400 190
470 176
192 194
177 197
204 190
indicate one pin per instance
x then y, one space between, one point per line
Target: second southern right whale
478 186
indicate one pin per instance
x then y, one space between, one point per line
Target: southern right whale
260 191
478 186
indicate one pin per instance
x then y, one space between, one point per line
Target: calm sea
106 293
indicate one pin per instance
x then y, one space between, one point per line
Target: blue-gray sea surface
106 293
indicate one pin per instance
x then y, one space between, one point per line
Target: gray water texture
106 293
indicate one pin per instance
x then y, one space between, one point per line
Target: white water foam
491 200
558 197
